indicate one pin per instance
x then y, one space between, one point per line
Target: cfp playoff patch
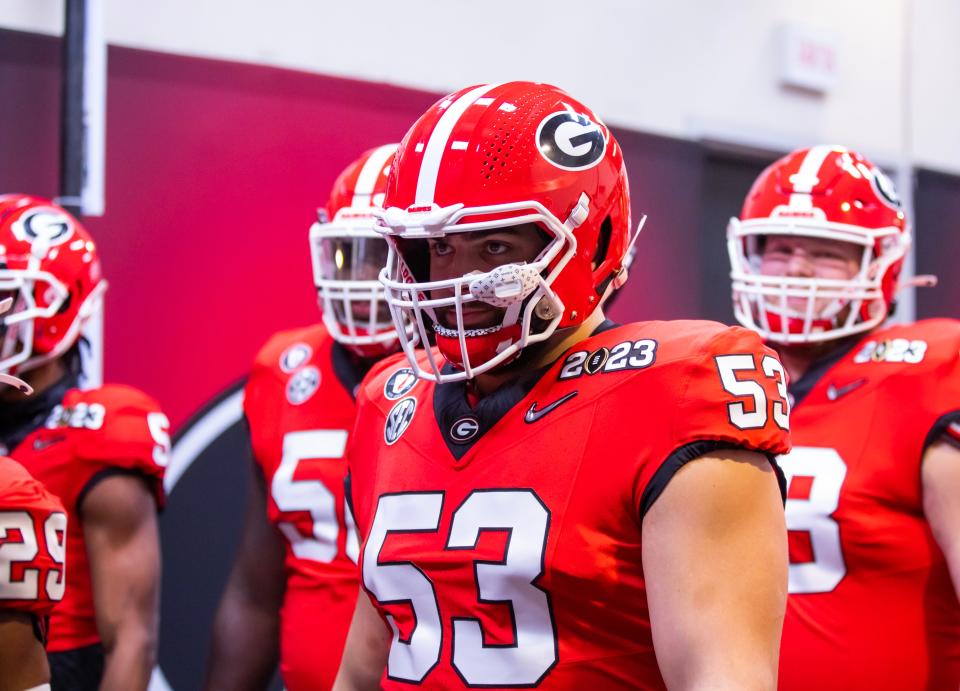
621 357
294 357
400 417
303 385
399 384
892 350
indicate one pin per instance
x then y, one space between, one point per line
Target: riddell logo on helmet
43 223
571 141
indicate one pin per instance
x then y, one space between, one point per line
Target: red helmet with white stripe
823 192
491 157
49 267
347 257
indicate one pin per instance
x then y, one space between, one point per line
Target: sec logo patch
303 385
400 417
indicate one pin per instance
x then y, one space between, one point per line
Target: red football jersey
88 436
871 604
502 543
33 530
299 403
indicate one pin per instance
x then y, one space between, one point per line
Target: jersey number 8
825 472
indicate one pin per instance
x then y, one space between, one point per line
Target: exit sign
808 58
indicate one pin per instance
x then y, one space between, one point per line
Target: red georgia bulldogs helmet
49 266
347 256
495 156
824 192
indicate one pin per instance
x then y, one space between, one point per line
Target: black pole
71 114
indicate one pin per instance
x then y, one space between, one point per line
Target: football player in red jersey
295 579
33 531
873 505
557 502
101 451
33 526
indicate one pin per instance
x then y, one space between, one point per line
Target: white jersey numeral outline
25 550
313 496
511 581
814 515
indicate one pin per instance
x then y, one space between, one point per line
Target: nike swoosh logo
835 392
533 414
41 444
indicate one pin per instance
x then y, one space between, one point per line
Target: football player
556 501
33 528
873 505
101 451
295 579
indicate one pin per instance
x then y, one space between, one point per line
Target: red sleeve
938 393
127 433
33 533
735 392
732 395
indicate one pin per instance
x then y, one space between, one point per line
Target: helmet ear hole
603 243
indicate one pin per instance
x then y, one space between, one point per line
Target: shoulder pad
115 425
923 345
20 490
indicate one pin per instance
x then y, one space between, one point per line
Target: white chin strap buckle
506 285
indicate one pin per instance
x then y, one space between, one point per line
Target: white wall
685 68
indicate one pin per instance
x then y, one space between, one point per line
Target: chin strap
9 379
921 281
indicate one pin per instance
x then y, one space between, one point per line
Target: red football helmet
495 156
347 257
824 192
49 266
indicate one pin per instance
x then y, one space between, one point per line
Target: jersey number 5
815 476
511 581
291 494
25 550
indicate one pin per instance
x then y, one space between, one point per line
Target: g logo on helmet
571 141
43 223
884 188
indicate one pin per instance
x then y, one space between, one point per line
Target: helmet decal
49 225
883 185
571 141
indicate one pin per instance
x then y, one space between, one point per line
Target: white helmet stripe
805 179
367 180
437 145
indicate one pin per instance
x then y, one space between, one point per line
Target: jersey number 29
19 525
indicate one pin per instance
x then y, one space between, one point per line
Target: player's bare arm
717 625
940 475
123 545
246 629
366 650
22 657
